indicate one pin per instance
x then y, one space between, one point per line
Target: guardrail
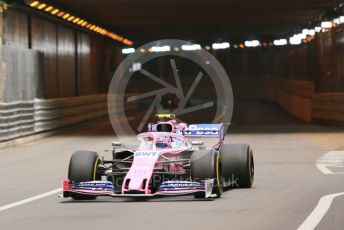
16 119
22 118
299 88
55 113
295 96
328 106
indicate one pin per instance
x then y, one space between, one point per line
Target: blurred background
284 60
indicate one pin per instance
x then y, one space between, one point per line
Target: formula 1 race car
171 159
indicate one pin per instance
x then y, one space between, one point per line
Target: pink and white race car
171 159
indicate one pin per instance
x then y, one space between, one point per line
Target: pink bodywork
158 151
148 158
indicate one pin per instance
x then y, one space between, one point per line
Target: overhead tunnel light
280 42
128 50
65 16
311 32
223 45
317 29
50 9
191 47
41 6
339 20
55 11
301 36
305 31
70 18
326 24
160 49
295 40
253 43
308 32
34 3
76 20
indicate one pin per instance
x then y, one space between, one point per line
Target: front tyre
206 164
237 165
83 167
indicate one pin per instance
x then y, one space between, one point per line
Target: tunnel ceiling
200 20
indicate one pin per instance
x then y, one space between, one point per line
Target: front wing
167 188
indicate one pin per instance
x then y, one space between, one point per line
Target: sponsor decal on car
209 130
172 185
145 154
93 185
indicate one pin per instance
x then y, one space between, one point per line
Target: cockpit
164 127
161 140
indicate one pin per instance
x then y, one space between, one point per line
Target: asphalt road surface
287 188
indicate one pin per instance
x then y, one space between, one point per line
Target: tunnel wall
306 80
51 74
51 60
72 62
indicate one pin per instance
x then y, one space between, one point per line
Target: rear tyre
206 164
83 167
237 165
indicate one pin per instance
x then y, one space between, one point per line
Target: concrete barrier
296 97
328 107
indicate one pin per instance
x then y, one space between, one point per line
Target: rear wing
206 130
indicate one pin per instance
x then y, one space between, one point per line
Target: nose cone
138 182
140 172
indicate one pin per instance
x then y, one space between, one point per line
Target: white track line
28 200
330 159
319 212
323 168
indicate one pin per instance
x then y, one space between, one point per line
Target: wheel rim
94 175
218 174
